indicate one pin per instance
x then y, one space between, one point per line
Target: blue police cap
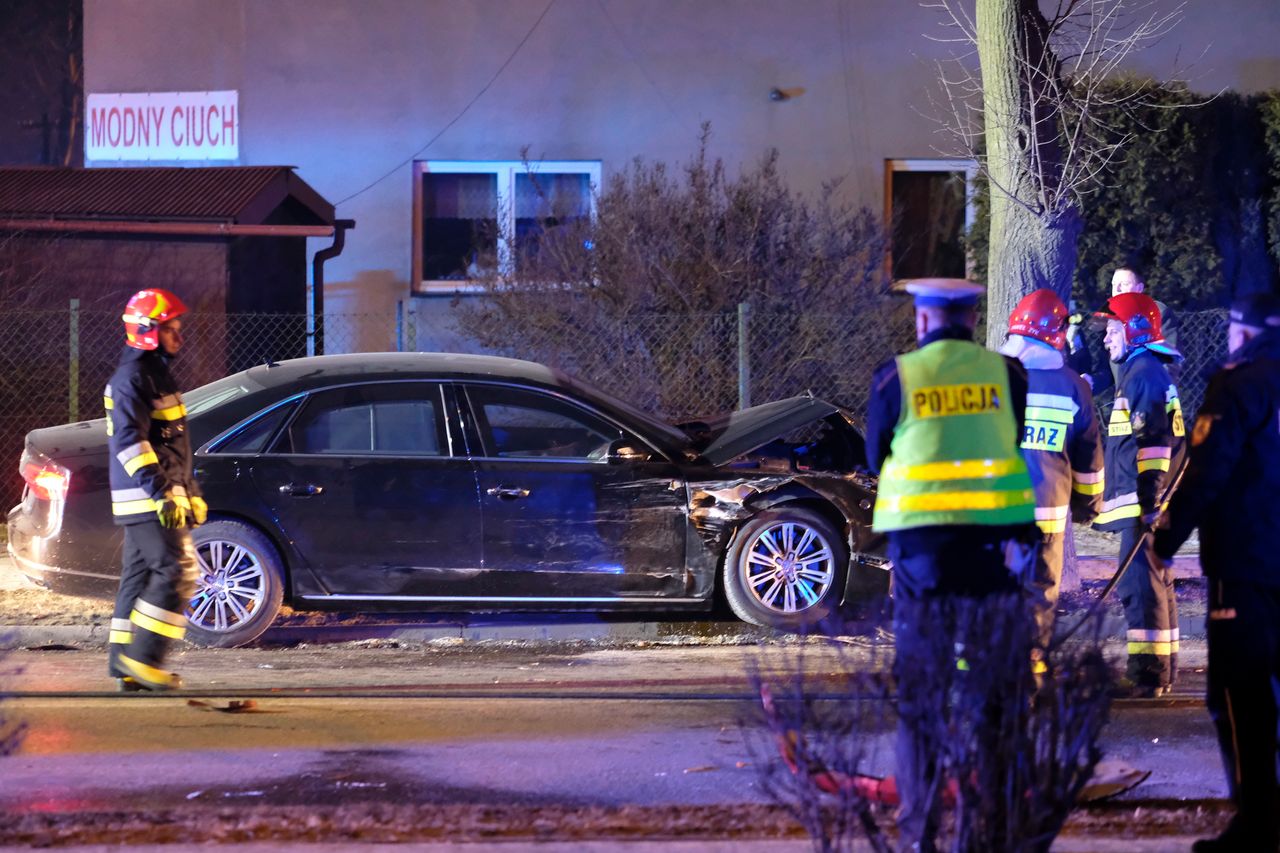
938 292
1261 310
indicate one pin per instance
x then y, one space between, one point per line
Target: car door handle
303 490
507 493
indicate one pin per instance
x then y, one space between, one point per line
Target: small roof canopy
216 199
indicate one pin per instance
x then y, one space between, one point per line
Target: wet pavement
509 717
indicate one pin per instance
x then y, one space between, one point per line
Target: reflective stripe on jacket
953 458
150 453
1060 438
1145 441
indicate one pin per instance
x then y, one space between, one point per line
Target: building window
476 218
929 208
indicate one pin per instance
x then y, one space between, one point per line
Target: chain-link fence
54 365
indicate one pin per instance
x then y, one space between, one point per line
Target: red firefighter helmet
1140 316
144 313
1040 315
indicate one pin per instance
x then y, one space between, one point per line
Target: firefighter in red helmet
1060 440
1145 444
154 494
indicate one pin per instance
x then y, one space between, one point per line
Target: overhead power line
478 95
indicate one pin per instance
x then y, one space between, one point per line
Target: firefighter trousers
156 581
1151 611
1045 583
1244 676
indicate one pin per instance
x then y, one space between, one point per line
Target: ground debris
390 823
235 706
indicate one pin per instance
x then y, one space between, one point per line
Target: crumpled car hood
732 435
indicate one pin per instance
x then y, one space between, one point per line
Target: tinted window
398 419
518 423
253 436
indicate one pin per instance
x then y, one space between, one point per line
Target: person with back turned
1231 491
944 426
1060 442
154 494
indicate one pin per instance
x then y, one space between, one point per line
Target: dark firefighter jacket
1144 441
1231 490
150 453
1060 438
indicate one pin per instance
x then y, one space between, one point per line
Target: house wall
352 92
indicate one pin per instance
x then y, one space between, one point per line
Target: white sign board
162 126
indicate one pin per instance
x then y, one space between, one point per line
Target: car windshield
218 392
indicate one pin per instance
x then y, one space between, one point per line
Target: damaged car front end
786 509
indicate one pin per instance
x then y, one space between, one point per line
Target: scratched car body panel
421 481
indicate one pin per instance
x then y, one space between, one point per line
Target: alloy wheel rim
230 588
790 566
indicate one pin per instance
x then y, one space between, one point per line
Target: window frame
929 164
476 440
443 397
505 171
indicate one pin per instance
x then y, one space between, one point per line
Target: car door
564 519
366 488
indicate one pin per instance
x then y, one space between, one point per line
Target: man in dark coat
1231 491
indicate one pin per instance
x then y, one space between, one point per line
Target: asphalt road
510 722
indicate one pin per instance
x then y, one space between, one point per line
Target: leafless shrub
826 711
595 295
1012 749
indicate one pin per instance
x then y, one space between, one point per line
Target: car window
253 436
395 419
516 422
206 397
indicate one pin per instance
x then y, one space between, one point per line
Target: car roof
321 369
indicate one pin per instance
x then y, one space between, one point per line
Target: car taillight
46 479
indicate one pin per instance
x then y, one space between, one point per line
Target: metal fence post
73 378
399 325
744 356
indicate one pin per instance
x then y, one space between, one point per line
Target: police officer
154 494
1231 491
1060 440
944 425
1144 444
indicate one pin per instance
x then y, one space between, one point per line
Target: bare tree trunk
1033 233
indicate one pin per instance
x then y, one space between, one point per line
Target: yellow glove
170 514
199 511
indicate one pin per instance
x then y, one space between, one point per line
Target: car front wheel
785 569
239 585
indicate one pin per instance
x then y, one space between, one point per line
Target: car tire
762 569
239 586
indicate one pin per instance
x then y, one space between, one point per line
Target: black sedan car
418 481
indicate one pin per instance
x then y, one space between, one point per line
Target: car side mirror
625 450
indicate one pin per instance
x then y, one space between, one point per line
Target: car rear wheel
239 588
785 569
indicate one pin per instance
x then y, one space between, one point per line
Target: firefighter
154 494
1060 441
1144 445
1232 493
1103 377
944 426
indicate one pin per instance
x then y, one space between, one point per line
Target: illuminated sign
162 126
